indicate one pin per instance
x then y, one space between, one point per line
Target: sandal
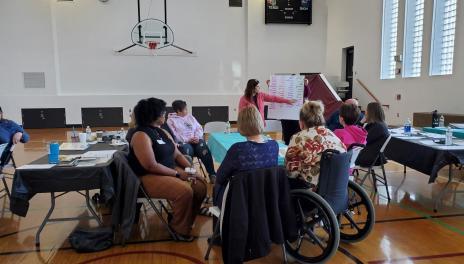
208 200
205 211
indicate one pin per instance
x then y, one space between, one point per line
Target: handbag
91 240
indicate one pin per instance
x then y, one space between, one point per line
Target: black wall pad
102 116
205 114
43 117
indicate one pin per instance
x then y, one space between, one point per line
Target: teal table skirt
220 142
459 133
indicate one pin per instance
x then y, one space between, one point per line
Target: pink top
351 134
261 98
184 127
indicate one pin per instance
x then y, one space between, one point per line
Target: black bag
91 240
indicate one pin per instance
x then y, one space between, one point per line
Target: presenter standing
254 97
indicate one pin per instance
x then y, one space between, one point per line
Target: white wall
277 48
73 44
358 23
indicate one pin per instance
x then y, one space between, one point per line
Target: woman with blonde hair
256 152
305 149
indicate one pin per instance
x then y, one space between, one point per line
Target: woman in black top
161 167
377 133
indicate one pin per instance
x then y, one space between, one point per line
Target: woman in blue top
255 153
11 132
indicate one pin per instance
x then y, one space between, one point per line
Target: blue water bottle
407 127
53 152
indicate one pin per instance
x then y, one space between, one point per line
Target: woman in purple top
189 135
255 153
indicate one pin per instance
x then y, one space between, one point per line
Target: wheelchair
339 209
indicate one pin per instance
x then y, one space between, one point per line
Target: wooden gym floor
406 231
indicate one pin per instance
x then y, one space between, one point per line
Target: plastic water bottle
407 127
122 133
228 127
449 137
441 123
53 152
88 131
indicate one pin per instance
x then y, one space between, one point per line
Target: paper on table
120 143
68 157
428 142
400 130
99 154
454 147
408 137
73 146
457 125
36 167
290 87
432 135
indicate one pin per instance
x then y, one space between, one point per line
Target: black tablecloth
423 158
27 183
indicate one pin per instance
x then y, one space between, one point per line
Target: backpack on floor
91 240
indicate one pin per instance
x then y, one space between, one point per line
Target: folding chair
120 159
273 126
381 160
143 196
6 155
215 126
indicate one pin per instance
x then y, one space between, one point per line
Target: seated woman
154 157
255 153
350 133
377 133
189 134
11 132
305 149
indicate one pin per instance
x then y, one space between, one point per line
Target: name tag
160 141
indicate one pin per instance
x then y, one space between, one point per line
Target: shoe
182 238
212 178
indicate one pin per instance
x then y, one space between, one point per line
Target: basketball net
152 46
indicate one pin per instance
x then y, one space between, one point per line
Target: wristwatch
177 174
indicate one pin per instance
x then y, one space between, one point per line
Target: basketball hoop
152 46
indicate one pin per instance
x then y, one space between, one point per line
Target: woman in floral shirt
305 149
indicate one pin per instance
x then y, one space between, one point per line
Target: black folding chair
378 164
6 156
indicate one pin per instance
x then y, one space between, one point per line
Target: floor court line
400 260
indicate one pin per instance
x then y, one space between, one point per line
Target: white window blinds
389 39
443 34
413 35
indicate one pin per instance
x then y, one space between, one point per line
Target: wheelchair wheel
358 220
318 233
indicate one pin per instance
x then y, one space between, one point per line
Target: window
413 33
443 32
389 39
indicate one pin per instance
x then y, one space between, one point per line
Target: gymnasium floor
406 231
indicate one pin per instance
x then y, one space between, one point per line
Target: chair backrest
273 126
382 149
6 152
223 206
259 199
355 150
215 126
333 179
